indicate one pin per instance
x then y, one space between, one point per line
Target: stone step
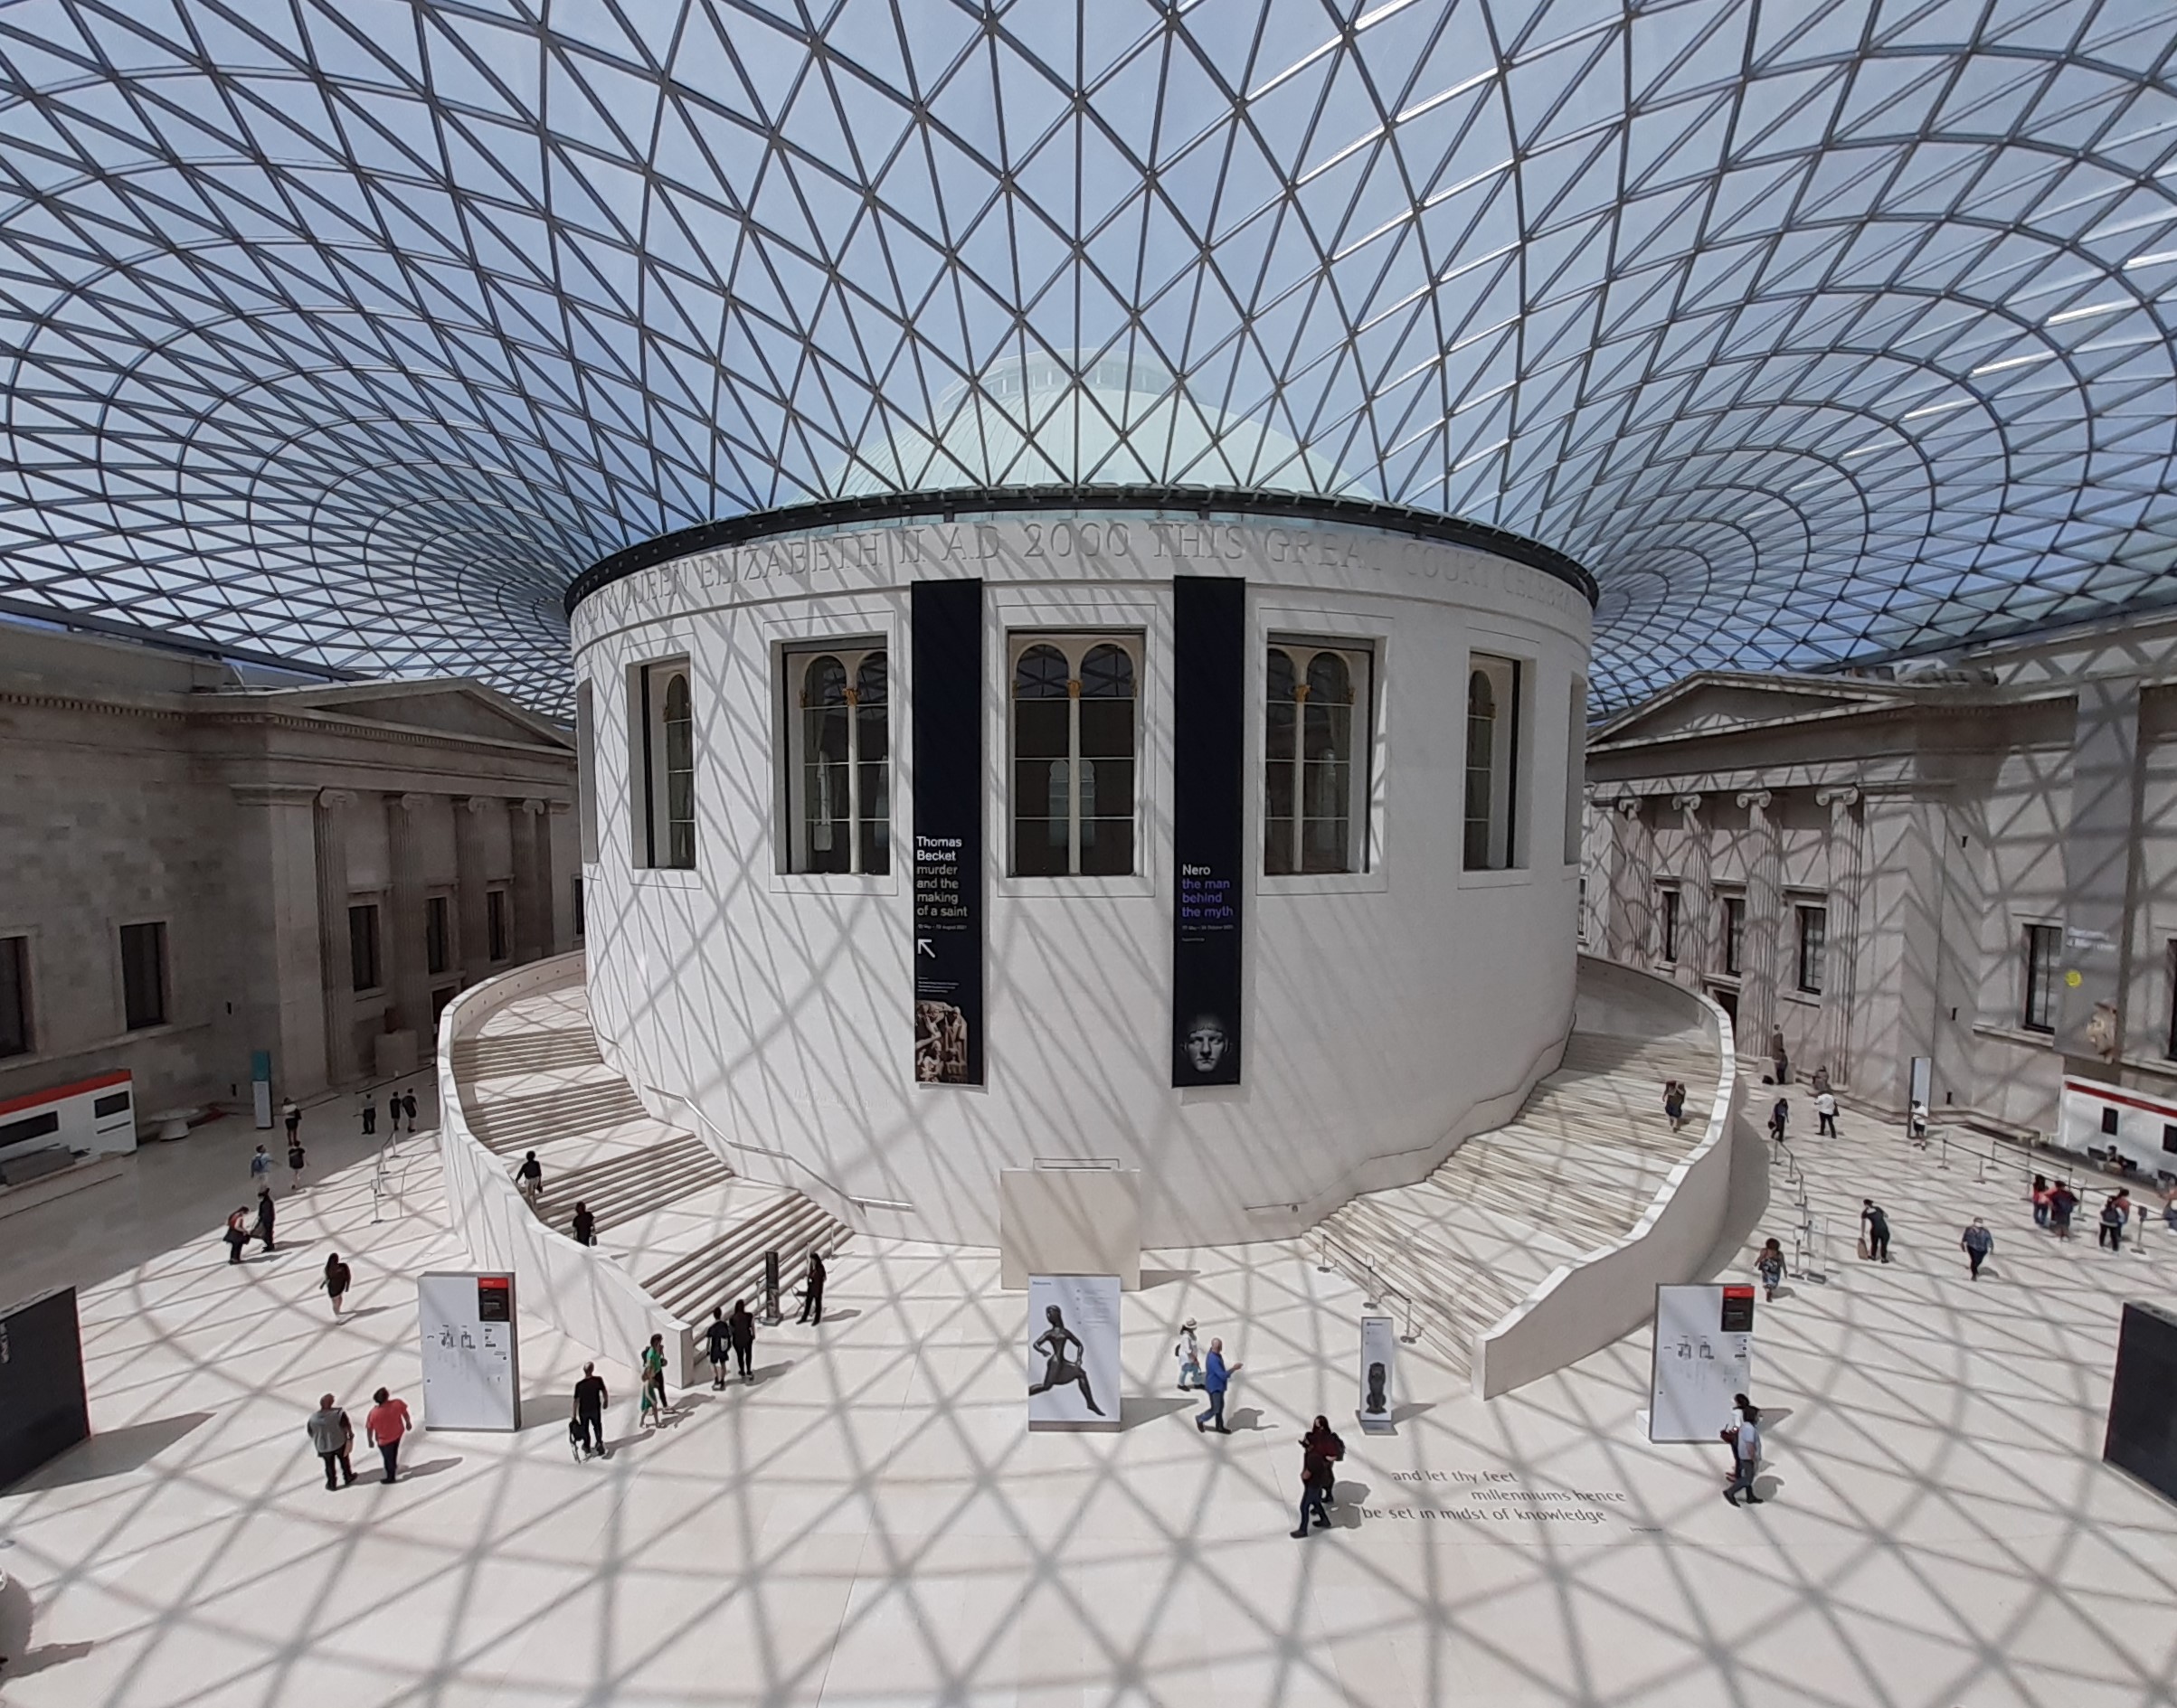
732 1266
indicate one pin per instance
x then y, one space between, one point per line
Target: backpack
1334 1450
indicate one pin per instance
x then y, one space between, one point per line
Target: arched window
1315 758
665 832
1493 744
1074 755
839 817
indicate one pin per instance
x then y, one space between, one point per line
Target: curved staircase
669 1209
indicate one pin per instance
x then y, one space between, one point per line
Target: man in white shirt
1825 1114
1746 1442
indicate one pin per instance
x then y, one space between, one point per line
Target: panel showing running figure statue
1073 1352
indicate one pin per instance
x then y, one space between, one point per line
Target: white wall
1387 1013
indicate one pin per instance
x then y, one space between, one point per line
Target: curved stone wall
1387 1011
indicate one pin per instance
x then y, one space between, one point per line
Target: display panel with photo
1072 1348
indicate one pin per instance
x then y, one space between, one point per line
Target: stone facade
139 786
1916 846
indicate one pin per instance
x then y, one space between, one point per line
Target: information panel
1704 1356
1210 731
947 693
1378 1367
1073 1352
43 1410
472 1367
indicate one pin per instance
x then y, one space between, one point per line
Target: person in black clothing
408 1107
529 1177
584 1224
336 1279
264 1216
812 1291
370 1113
1878 1230
718 1340
590 1403
1324 1441
238 1233
1317 1474
741 1328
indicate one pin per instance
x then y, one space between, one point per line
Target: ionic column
472 877
1632 885
1765 924
1696 952
405 975
532 911
548 939
338 982
1838 984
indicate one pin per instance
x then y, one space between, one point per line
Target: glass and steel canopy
351 332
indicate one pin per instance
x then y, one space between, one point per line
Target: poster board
1379 1373
1704 1355
1208 825
946 619
472 1369
1072 1358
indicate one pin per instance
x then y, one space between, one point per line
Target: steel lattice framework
353 330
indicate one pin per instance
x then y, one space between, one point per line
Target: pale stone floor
872 1523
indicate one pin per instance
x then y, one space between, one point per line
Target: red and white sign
2095 1116
96 1114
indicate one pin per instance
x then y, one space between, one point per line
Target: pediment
1713 704
446 707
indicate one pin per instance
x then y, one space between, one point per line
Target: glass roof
353 330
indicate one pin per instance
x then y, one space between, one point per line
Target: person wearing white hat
1189 1354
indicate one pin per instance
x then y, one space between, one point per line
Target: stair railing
1379 1290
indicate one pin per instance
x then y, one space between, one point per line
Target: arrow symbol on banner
922 946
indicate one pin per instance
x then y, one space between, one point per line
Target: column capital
477 803
332 797
1845 796
1757 800
1687 803
531 807
1629 804
408 801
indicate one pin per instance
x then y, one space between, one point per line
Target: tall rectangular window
1669 923
1575 769
438 934
495 924
363 945
1074 698
1813 948
144 975
1315 758
665 835
585 767
1735 934
2044 949
1492 763
838 752
14 996
2169 1038
578 909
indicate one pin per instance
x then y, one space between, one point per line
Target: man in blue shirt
1216 1378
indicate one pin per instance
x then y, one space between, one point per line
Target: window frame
1361 657
1804 915
437 935
1509 743
651 684
498 925
22 997
1075 643
163 976
791 662
365 913
1733 945
2039 974
1575 769
585 769
1669 915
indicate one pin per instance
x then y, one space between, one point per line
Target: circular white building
1226 836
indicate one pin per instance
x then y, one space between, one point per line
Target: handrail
1378 1286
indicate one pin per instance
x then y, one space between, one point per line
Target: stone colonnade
1629 914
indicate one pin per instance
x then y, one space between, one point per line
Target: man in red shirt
388 1422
